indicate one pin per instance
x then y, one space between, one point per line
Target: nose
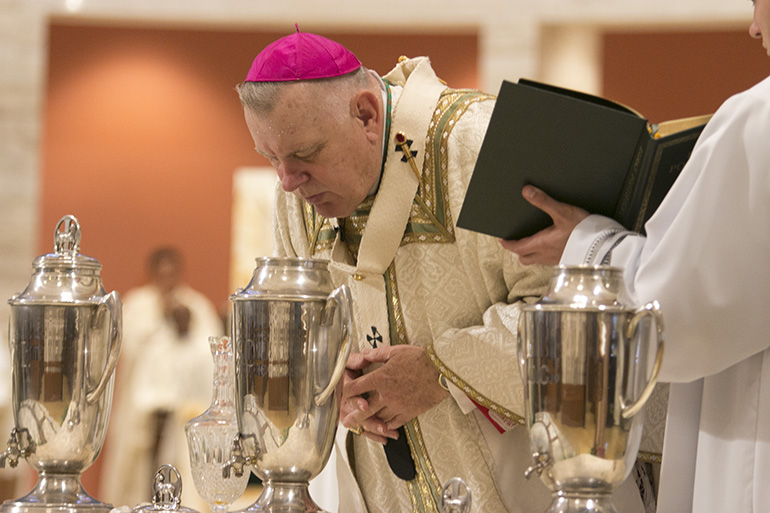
754 30
291 176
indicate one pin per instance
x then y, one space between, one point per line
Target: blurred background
124 114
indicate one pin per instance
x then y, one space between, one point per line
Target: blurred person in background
163 380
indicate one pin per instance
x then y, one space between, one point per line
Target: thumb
538 198
377 355
561 213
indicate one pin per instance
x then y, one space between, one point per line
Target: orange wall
143 129
669 75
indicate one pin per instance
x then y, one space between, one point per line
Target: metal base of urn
580 503
284 498
56 493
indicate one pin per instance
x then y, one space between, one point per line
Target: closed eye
309 156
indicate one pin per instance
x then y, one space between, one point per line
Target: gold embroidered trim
469 390
433 201
312 226
423 489
425 492
649 457
396 316
325 234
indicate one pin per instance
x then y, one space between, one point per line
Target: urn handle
650 309
111 303
339 298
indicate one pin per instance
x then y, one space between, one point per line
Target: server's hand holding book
580 149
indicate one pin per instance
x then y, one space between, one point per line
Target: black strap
399 456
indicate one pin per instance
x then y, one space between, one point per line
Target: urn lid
287 278
64 276
166 492
584 287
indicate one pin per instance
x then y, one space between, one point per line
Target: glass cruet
210 435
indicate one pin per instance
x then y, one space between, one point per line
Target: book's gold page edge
677 125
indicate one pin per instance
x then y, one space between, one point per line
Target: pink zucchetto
302 56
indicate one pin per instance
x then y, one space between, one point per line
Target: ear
365 107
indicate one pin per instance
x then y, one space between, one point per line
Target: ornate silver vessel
584 357
65 335
291 334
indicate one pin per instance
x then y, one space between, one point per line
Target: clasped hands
386 387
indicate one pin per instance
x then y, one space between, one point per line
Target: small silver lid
64 276
166 492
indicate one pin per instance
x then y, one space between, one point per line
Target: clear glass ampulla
210 435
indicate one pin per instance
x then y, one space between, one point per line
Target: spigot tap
542 460
20 445
237 461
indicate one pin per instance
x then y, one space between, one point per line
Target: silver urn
586 359
291 333
65 335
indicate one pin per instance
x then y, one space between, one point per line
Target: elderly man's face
330 160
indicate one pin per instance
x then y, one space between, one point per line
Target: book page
677 125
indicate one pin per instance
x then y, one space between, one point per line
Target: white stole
392 206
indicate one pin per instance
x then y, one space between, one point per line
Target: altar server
706 259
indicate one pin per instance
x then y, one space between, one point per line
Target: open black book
580 149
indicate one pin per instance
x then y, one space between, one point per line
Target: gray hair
262 97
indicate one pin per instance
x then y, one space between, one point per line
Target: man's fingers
356 361
527 245
537 197
372 436
517 246
358 386
377 355
372 427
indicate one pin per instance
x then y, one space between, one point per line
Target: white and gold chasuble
447 290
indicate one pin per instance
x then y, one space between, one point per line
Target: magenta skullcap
302 56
